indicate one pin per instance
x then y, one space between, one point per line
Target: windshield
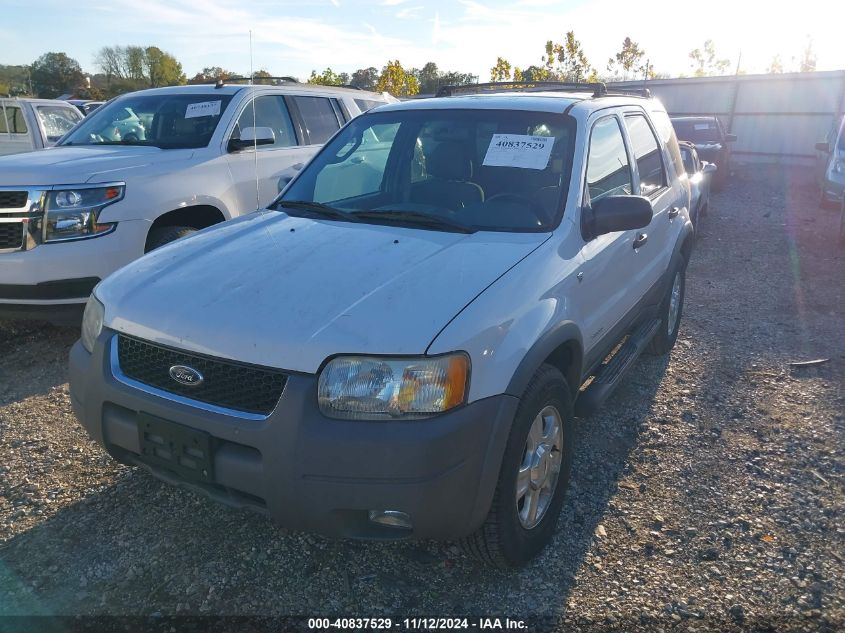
697 130
495 170
57 120
168 121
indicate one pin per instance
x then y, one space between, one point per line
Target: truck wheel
533 477
165 235
671 309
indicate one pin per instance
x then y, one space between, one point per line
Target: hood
289 292
89 163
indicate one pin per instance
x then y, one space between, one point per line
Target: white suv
397 347
145 169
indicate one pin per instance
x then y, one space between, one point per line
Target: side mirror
252 136
730 138
621 213
708 168
824 146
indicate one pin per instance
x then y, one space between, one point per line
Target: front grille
11 235
12 199
225 383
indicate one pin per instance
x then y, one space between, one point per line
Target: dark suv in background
711 142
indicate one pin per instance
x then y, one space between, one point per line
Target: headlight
367 388
72 213
92 323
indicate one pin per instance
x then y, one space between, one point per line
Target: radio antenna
254 138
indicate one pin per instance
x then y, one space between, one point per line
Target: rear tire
511 535
166 234
671 309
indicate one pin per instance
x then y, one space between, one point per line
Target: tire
509 536
165 235
670 315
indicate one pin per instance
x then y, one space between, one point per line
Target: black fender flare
565 332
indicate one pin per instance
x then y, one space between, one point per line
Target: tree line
127 68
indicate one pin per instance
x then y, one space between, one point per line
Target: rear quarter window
319 117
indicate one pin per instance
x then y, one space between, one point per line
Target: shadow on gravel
139 546
33 358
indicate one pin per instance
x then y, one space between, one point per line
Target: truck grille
225 383
12 199
11 235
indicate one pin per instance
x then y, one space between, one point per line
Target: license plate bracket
183 450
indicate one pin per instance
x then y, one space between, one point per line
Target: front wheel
671 309
166 234
533 477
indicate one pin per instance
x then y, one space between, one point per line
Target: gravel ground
707 494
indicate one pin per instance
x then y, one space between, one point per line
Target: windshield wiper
415 217
316 208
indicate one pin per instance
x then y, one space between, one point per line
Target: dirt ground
708 493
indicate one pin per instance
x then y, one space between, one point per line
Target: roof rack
231 80
598 89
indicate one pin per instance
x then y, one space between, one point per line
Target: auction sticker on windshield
519 150
205 108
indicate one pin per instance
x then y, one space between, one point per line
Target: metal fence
776 117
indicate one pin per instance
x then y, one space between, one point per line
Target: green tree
54 74
535 73
397 81
14 80
808 58
365 78
162 69
501 71
428 78
328 78
705 63
211 74
567 61
629 60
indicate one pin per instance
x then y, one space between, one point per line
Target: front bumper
63 273
313 473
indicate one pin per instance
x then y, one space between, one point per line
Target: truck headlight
92 322
368 387
73 213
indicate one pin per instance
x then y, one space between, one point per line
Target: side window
646 153
270 111
667 134
366 104
319 117
13 121
608 171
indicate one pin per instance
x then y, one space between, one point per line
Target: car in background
700 173
85 106
27 125
711 141
145 169
830 165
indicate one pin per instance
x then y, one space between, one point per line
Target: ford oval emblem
185 375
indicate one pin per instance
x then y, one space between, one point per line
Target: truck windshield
57 120
470 170
167 121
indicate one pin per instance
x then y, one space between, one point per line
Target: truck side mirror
252 136
708 168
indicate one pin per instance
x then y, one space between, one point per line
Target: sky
295 37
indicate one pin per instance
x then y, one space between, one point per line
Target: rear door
256 172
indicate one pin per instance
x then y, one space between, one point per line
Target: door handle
642 238
673 212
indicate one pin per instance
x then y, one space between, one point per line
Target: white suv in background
145 169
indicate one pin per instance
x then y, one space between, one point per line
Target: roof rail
231 80
597 88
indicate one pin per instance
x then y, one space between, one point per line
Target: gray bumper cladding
306 471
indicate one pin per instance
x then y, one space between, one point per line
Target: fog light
391 518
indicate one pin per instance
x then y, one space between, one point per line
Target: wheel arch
563 348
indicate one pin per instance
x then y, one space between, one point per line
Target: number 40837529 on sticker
519 150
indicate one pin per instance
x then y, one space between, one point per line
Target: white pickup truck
30 124
145 169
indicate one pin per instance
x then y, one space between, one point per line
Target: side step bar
610 374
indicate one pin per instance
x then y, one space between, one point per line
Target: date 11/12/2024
412 624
